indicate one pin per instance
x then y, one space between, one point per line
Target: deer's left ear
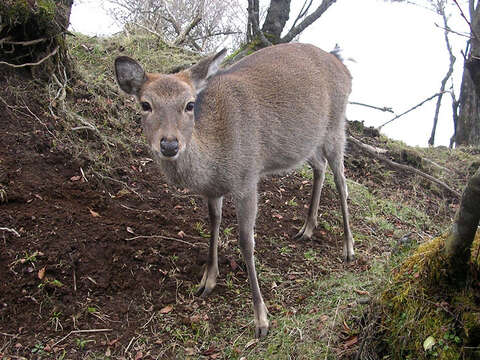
202 71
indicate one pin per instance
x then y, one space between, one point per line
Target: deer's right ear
130 75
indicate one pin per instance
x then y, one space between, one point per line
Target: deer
218 131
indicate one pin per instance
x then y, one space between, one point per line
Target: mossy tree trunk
32 36
459 241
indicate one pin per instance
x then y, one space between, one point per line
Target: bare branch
384 109
411 109
441 11
468 22
302 13
309 20
183 35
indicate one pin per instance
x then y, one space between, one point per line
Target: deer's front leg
209 279
246 208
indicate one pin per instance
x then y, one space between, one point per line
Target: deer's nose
168 147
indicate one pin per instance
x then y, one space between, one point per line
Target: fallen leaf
181 234
130 230
41 273
94 213
214 356
233 264
75 178
122 192
166 309
139 355
38 196
352 341
429 343
361 292
108 353
277 216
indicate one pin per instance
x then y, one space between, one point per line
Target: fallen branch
376 155
13 231
80 332
164 238
31 64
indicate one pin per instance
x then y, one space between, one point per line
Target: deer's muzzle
169 148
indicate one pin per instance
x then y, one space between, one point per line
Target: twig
411 109
165 238
13 231
402 166
384 109
468 22
80 332
120 182
31 64
452 31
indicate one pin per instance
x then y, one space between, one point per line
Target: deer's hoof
203 291
349 258
261 332
304 234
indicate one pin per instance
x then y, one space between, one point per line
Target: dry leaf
139 355
108 353
122 192
130 230
352 341
166 309
361 292
94 213
41 273
181 234
75 178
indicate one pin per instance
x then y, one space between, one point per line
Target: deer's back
272 109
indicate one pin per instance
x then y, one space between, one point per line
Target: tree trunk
459 241
468 124
277 16
32 36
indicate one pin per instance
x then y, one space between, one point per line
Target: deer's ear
130 75
201 72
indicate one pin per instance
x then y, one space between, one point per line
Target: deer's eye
145 106
189 107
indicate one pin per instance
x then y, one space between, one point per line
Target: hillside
99 257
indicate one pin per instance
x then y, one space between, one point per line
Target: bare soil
109 254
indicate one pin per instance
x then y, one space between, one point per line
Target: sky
399 59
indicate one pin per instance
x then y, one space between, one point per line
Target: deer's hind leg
318 164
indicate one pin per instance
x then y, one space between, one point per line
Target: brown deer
217 132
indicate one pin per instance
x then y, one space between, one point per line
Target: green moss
420 302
